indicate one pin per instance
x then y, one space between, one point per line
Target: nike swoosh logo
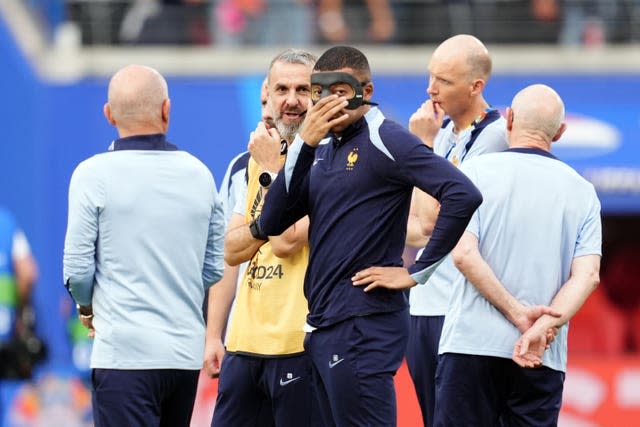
315 161
332 364
283 383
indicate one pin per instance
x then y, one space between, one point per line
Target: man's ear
107 114
166 110
559 133
477 86
367 91
509 118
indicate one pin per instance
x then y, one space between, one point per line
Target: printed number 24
268 272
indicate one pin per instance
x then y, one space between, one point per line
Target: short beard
287 131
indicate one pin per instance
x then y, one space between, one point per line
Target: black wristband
85 310
256 230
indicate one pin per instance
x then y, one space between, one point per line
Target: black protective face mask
324 84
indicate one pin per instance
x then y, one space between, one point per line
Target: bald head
466 51
138 100
537 111
267 114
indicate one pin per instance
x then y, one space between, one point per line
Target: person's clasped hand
264 146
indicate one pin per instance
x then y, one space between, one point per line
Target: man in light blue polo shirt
459 124
534 244
144 240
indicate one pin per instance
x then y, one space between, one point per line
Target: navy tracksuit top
357 192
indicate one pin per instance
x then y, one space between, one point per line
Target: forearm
445 236
415 237
422 218
479 273
240 245
285 203
214 255
458 199
584 279
79 258
452 220
81 287
220 299
292 240
79 274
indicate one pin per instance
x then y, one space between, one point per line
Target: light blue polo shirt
144 240
538 215
234 183
432 298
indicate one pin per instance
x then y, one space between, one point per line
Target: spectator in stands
165 22
334 26
262 22
18 273
584 22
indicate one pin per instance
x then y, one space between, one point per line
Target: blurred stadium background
57 56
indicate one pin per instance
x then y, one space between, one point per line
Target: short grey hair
294 56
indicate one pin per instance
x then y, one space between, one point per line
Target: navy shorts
354 365
422 361
145 398
494 391
260 391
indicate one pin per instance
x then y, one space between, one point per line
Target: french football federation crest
352 158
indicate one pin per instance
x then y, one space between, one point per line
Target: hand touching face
426 121
264 146
321 118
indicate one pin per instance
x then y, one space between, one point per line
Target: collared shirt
357 192
538 215
144 240
487 136
234 183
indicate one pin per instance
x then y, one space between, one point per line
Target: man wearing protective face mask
352 171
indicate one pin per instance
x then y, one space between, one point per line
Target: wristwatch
256 231
266 178
84 311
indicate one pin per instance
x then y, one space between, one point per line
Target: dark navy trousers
491 391
144 398
354 364
265 391
422 361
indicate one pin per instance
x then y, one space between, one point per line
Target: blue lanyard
489 116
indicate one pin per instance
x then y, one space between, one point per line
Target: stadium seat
634 328
620 277
598 328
